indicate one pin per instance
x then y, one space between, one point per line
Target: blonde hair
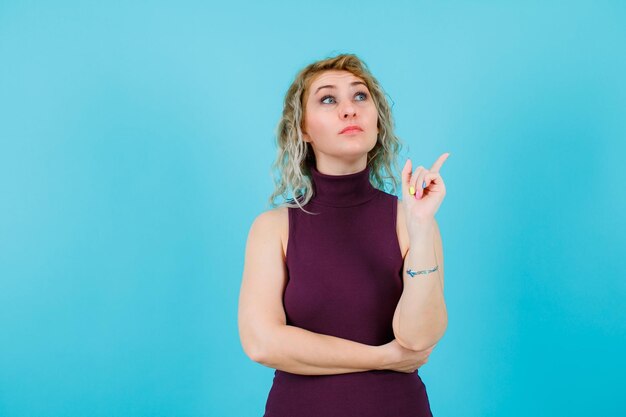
294 154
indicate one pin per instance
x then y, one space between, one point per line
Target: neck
343 190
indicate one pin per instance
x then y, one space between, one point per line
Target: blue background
135 147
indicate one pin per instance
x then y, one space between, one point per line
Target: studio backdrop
136 140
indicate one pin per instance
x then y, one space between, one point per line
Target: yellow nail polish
412 190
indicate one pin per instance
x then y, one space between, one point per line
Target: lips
352 128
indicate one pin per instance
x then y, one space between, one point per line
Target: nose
348 110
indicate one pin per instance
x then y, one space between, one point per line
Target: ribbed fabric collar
342 190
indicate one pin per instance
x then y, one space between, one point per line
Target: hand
404 360
429 189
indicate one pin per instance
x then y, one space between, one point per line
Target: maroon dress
345 280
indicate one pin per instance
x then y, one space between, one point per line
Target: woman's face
336 100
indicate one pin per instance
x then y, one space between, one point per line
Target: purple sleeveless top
345 280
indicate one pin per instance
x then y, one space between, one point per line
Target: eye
361 93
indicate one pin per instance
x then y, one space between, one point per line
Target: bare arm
264 334
299 351
420 319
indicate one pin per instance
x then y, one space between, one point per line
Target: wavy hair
294 154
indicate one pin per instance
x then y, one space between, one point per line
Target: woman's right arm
264 334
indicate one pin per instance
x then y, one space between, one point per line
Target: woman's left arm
421 318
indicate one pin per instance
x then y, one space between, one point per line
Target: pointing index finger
439 162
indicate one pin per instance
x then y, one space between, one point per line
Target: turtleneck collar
342 190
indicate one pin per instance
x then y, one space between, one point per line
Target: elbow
416 345
254 342
260 345
422 342
253 350
255 353
404 343
259 353
262 353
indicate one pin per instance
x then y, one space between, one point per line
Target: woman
324 299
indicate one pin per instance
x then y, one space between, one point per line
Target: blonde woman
342 289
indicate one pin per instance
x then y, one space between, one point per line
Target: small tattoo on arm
425 271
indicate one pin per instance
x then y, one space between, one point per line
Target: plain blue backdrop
136 140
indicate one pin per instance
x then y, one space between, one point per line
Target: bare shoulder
274 223
281 215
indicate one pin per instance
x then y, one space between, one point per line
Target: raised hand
423 192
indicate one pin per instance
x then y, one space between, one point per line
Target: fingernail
411 190
424 184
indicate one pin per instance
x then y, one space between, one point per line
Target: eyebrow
332 86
